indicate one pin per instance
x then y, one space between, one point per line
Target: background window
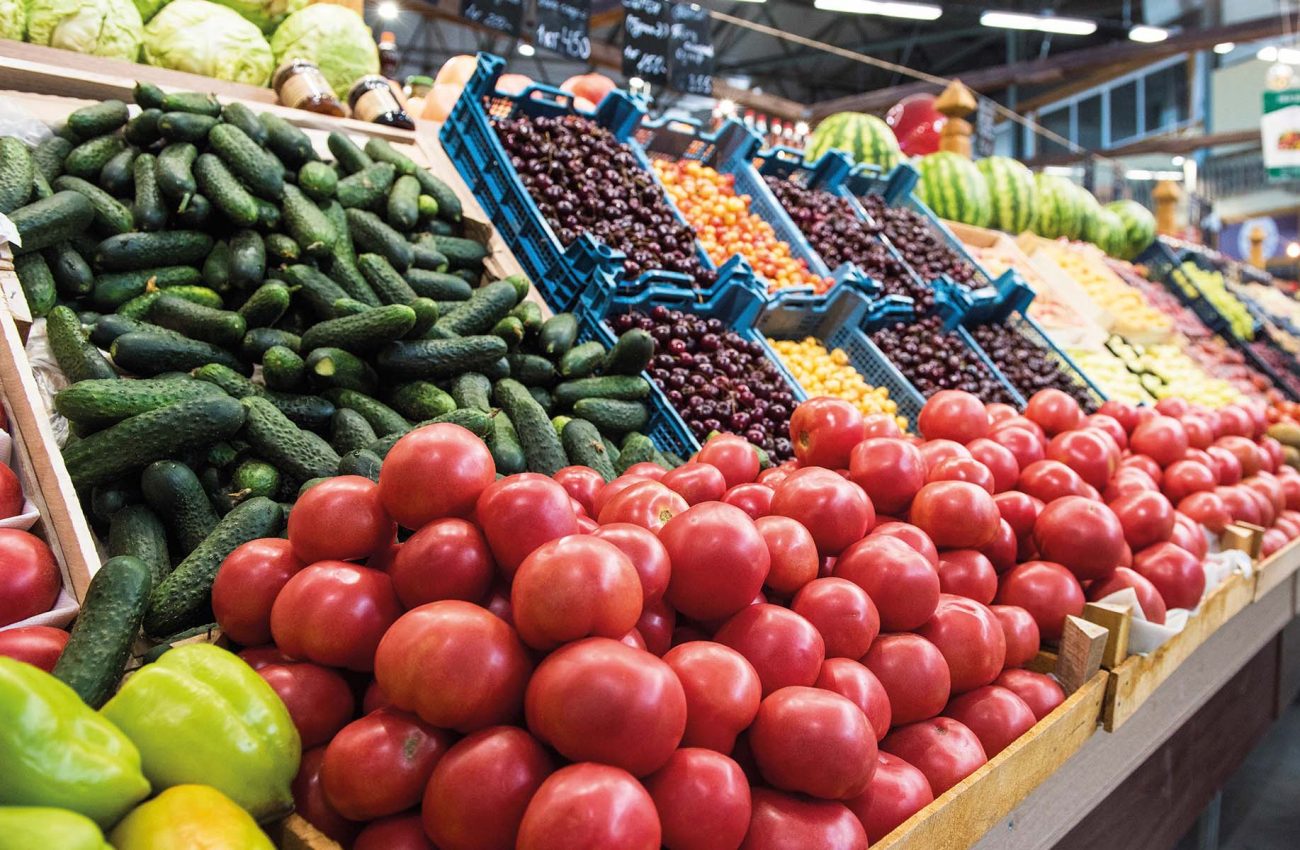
1123 112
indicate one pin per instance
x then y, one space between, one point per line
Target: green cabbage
99 27
204 38
267 14
149 8
13 19
333 37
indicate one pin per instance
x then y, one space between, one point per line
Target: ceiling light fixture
1041 23
885 8
1224 47
388 10
526 49
1148 35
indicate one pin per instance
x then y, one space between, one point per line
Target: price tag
562 27
646 27
690 56
505 16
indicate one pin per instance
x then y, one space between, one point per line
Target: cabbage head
13 19
204 38
333 37
99 27
149 8
267 14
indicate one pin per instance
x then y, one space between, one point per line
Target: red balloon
917 124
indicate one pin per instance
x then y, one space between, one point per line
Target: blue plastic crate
1163 265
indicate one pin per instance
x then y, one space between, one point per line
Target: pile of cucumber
283 319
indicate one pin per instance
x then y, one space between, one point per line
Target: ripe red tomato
1001 552
720 560
399 832
999 460
1199 433
1020 510
896 792
520 513
581 483
1129 480
703 800
1188 535
911 535
934 452
815 742
913 673
824 430
853 681
1020 632
11 493
722 693
319 700
1054 411
422 660
1185 477
1024 446
447 559
1226 466
1040 692
791 822
340 519
1146 517
1122 412
39 646
902 583
696 482
963 469
966 572
590 807
1088 453
996 715
646 553
378 765
889 471
970 639
452 456
1291 489
1080 534
941 748
1175 572
29 576
1111 426
997 411
733 456
1244 450
953 415
880 425
955 515
842 613
479 790
753 499
1273 540
309 800
1162 439
572 588
1048 591
1153 604
1049 480
334 613
649 504
834 510
1239 503
792 551
658 619
784 648
246 586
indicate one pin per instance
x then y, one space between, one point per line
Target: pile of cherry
720 656
918 242
1028 366
934 359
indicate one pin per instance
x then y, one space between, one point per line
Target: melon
953 187
1106 231
1060 212
1089 214
865 138
1012 192
1137 228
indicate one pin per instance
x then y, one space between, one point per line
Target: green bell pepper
56 751
28 827
201 716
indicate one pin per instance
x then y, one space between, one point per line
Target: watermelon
1137 228
865 138
954 188
1105 230
1060 211
1012 191
1090 213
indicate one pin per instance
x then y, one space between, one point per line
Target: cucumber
612 416
194 213
349 307
286 141
239 115
175 168
40 187
438 286
461 253
558 335
247 259
583 445
185 593
110 326
247 161
225 328
487 306
470 277
99 119
283 369
174 492
116 178
387 284
87 159
72 274
224 454
148 95
254 478
542 447
147 354
281 249
274 437
191 101
50 221
582 360
403 209
185 126
472 390
318 181
343 271
307 224
260 340
426 257
370 234
350 157
362 462
428 205
381 151
268 215
266 305
78 358
303 410
96 654
37 283
111 215
106 401
156 434
149 210
440 358
530 314
368 187
503 443
476 422
334 368
611 450
636 448
631 354
315 289
531 370
338 217
114 289
449 206
558 423
420 400
381 417
364 332
135 251
137 531
108 499
542 397
426 316
225 192
622 387
350 431
142 130
49 155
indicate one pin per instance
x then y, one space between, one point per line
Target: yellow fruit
829 373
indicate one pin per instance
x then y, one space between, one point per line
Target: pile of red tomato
720 656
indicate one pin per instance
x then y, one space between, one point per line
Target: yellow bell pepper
189 817
37 828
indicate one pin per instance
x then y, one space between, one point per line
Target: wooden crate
1277 569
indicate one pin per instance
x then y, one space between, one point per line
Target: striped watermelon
954 188
1012 191
1060 212
865 138
1090 213
1106 231
1138 228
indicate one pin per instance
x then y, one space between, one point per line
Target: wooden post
1082 646
1167 195
956 102
1116 621
1256 237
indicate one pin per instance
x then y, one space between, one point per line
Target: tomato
1020 632
1175 407
1123 413
911 535
852 680
479 789
753 499
1244 450
941 748
889 471
999 461
1199 433
1049 480
645 469
842 613
953 415
1239 503
309 800
1273 540
1175 572
1038 691
996 715
784 648
1153 604
970 639
1275 453
703 802
422 661
963 469
520 513
1188 535
955 514
1082 535
1163 439
319 700
775 475
378 765
1088 453
448 454
656 625
1021 442
880 425
997 411
1267 485
896 792
966 572
29 577
824 430
590 807
899 580
696 482
1054 411
934 452
581 483
1048 591
1001 551
39 646
11 493
649 504
383 558
645 552
246 586
1129 480
1185 477
791 822
722 693
1226 466
599 700
733 456
446 559
913 673
792 552
373 699
1291 489
835 511
720 560
573 588
340 519
1146 517
1111 426
815 742
334 613
1020 510
399 832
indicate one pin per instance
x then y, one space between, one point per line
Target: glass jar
375 99
300 85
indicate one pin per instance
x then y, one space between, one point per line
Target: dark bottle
389 56
375 99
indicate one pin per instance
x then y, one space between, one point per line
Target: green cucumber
72 274
185 126
364 332
49 155
334 368
149 209
247 161
487 306
461 253
135 251
428 205
148 95
51 220
440 358
221 188
268 215
174 492
110 326
381 151
350 157
449 206
142 130
95 657
472 390
281 250
631 354
266 305
420 400
612 416
387 284
114 289
476 422
138 307
100 402
343 271
318 181
370 234
530 313
426 316
147 354
41 188
98 119
338 217
362 462
542 446
428 258
194 213
276 438
239 115
111 215
79 359
283 369
349 307
636 448
438 286
381 417
308 226
512 331
315 289
254 478
531 370
366 188
622 387
558 335
403 209
582 360
87 159
350 431
584 447
116 177
190 101
225 328
503 443
258 341
37 283
175 168
247 259
137 531
542 397
286 141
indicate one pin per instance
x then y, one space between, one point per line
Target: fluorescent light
1267 54
1060 170
388 10
1178 160
1148 35
1144 174
526 49
914 11
1288 55
1225 47
1042 23
1293 250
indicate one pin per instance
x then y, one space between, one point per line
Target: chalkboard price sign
646 26
562 27
505 16
690 55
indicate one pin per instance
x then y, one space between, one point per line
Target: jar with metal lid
300 85
418 86
375 99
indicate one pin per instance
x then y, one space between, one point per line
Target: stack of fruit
829 373
1221 360
1029 366
1134 316
1181 377
1210 285
1110 374
1273 301
934 359
1185 321
918 239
